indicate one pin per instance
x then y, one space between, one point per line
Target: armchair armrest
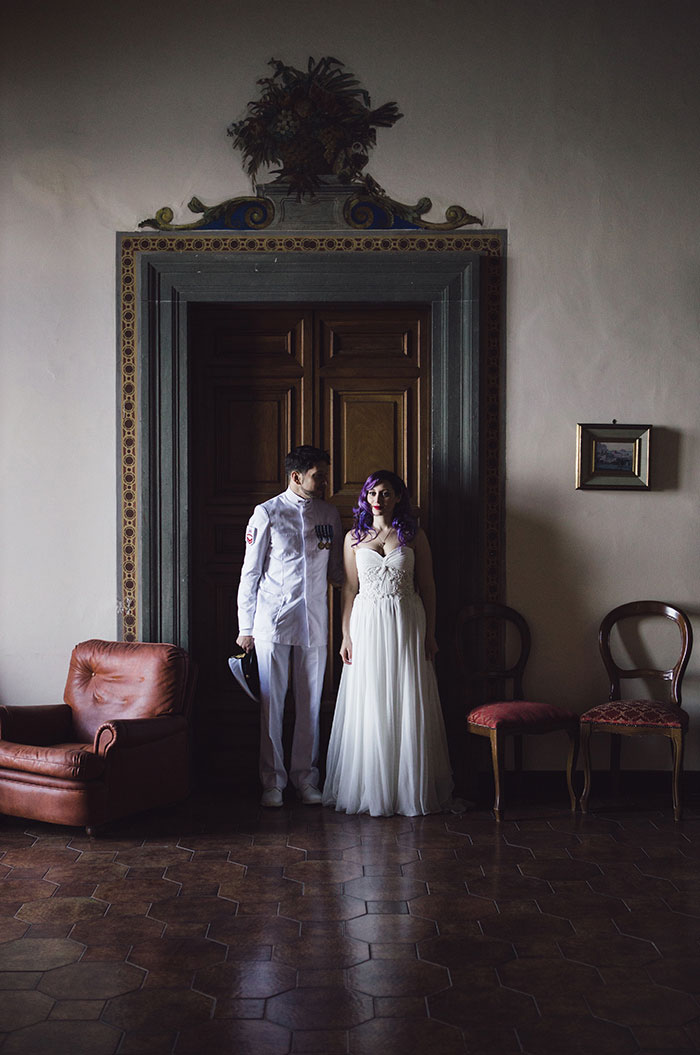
132 732
41 726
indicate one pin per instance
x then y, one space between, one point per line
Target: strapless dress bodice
385 576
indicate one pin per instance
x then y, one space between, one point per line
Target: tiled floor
220 927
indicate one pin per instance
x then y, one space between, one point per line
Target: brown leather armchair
118 744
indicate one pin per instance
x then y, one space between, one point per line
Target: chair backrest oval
485 660
639 609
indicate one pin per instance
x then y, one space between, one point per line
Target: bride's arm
425 583
350 588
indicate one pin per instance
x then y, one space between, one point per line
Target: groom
294 547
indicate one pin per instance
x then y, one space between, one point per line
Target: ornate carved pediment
318 126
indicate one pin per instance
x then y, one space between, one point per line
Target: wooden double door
352 380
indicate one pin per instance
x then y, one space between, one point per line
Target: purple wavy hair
403 520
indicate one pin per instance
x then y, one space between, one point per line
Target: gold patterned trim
488 244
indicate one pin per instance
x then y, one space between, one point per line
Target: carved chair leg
586 760
571 766
678 743
498 760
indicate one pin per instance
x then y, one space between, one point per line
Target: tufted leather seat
118 744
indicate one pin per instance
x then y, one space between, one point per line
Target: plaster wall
570 124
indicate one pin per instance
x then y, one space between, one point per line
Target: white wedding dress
388 750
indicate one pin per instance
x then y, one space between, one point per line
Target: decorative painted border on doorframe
487 244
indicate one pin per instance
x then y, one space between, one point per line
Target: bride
388 750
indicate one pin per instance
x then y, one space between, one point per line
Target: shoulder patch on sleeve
251 535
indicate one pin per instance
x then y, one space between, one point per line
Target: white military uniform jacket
294 546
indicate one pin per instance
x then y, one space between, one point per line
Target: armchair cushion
521 714
68 761
651 713
52 724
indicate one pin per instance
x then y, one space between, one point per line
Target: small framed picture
613 457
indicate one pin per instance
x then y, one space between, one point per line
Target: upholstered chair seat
650 714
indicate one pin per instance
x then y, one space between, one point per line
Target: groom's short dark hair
301 459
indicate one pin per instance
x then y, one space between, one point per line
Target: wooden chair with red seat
639 717
481 651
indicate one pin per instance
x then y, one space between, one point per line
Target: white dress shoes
271 797
310 795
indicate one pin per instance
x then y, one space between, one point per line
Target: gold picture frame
612 457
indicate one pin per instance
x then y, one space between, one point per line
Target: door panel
353 381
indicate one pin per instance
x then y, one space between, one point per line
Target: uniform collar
297 500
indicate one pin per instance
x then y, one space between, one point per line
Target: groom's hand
245 642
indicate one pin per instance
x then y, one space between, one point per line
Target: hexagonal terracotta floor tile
327 1008
61 910
437 906
93 981
249 981
11 928
406 1037
398 978
323 840
262 929
315 951
78 871
26 889
257 888
38 954
677 972
39 856
464 1007
322 908
192 909
136 890
540 976
242 1037
63 1037
323 871
188 953
459 952
373 854
385 888
583 1036
19 1009
617 950
263 856
397 927
630 999
117 930
150 1008
154 856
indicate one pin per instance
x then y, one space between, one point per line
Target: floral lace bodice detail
389 576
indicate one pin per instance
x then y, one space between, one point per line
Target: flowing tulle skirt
388 750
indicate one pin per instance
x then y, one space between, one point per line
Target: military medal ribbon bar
324 534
